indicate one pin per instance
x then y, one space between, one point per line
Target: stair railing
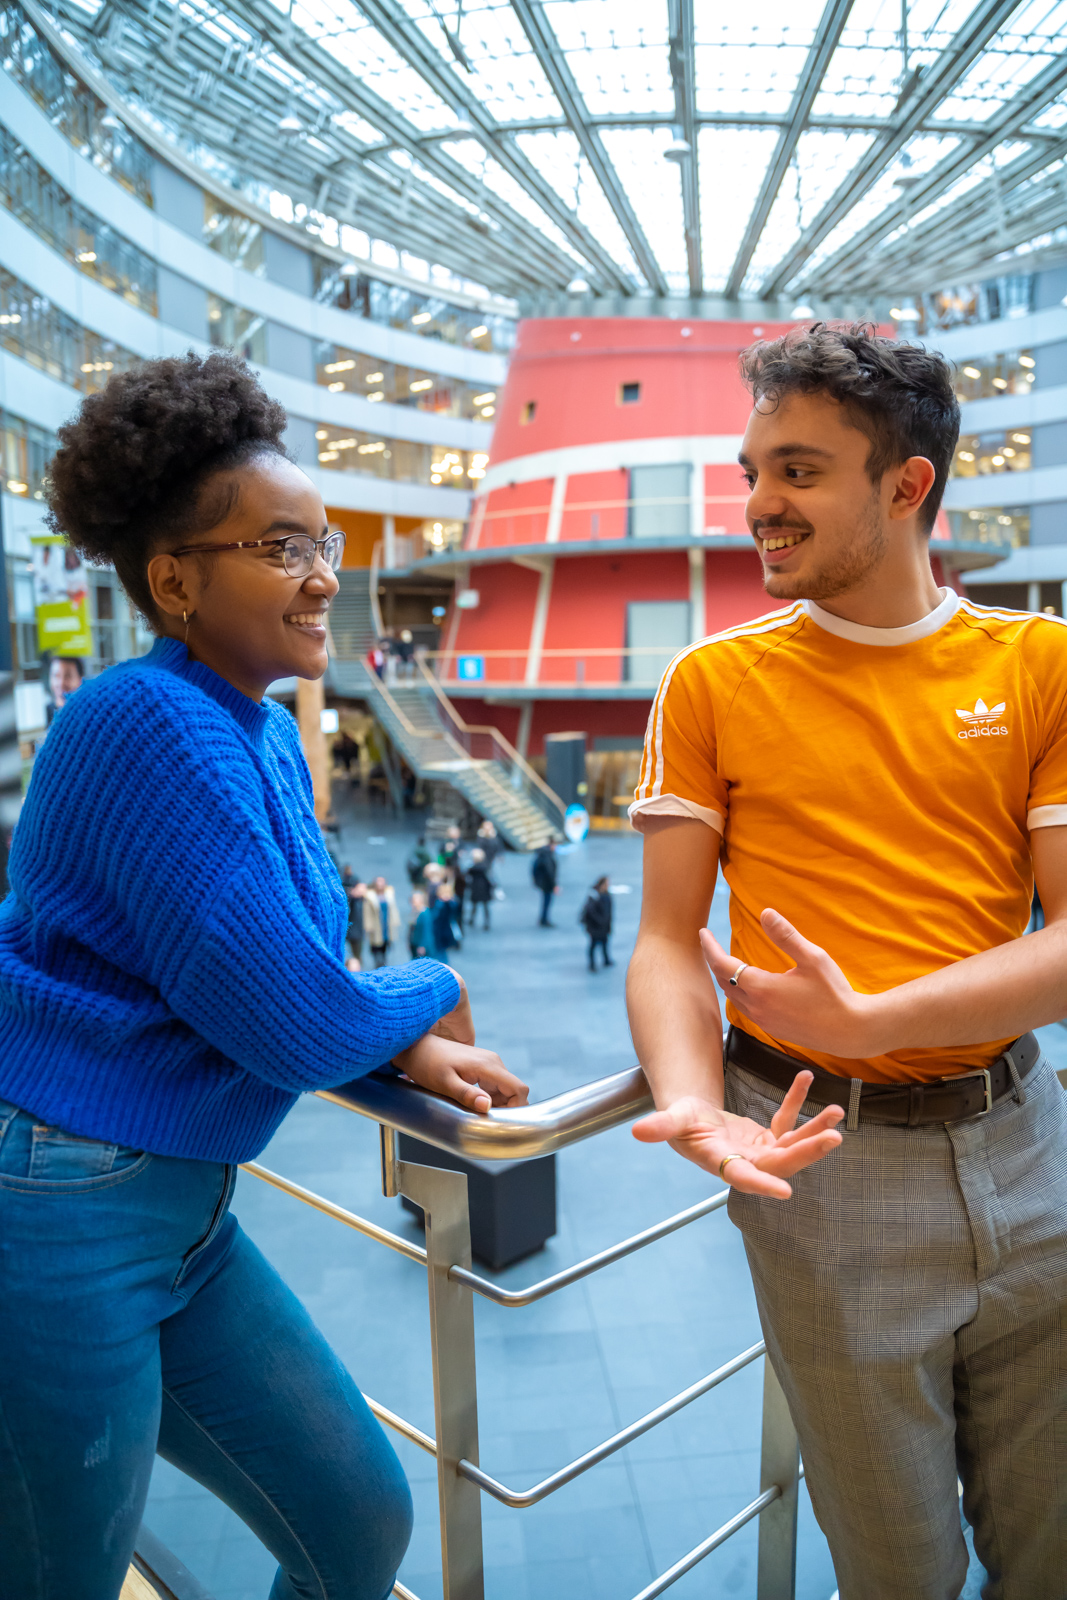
486 743
375 608
520 1134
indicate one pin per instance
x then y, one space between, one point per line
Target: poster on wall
61 597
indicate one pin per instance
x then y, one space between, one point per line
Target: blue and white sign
471 668
576 823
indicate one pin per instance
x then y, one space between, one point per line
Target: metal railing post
779 1466
443 1198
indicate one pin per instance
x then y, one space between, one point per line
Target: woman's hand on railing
762 1158
476 1079
457 1024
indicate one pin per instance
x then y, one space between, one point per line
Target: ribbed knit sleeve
281 1005
158 835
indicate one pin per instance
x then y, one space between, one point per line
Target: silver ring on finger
737 974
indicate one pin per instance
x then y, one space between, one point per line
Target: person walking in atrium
545 876
882 766
595 918
381 919
149 1044
480 885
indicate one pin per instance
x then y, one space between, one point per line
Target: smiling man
885 764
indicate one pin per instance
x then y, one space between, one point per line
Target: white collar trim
860 634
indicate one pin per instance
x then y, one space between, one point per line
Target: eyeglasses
298 550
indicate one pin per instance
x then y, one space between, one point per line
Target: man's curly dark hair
129 476
899 395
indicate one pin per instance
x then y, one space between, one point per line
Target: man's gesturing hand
813 1004
705 1135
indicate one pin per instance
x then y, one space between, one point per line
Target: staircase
426 728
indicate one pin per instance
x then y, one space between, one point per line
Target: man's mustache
778 524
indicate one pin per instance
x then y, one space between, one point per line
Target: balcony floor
558 1377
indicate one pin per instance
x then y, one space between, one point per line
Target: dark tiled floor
557 1377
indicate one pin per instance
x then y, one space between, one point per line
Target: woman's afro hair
128 474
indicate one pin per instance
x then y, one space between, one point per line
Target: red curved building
608 530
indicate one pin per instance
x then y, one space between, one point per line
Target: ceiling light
678 150
374 377
1008 451
577 286
476 472
1021 438
335 388
17 487
973 372
803 311
321 433
435 477
339 366
905 313
9 319
479 459
1000 383
998 461
489 411
86 256
327 455
379 394
478 333
371 449
1005 522
420 385
456 470
420 317
1027 361
485 399
966 455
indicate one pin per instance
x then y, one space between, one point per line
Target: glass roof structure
798 148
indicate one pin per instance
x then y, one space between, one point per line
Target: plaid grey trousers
913 1296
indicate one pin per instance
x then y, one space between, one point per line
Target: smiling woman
172 976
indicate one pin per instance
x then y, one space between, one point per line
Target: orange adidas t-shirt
875 785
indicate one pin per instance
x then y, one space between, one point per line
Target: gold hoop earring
187 619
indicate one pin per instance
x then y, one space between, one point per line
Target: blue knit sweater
171 953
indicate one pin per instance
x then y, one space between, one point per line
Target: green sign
61 592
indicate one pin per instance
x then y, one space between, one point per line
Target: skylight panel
342 31
472 155
559 160
750 59
1054 115
821 164
506 75
732 165
654 189
617 54
993 81
920 156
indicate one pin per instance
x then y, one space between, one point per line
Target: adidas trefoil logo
984 722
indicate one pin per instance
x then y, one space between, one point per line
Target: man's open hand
702 1133
813 1004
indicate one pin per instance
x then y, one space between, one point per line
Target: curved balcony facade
116 247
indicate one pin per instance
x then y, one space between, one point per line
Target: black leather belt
906 1105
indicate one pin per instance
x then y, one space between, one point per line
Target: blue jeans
135 1316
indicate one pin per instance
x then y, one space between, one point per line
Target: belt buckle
979 1072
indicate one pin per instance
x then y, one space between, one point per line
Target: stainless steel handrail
582 1269
518 1134
514 1134
520 1499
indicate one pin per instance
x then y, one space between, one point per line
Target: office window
629 394
529 411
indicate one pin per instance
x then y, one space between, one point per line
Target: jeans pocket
34 1153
